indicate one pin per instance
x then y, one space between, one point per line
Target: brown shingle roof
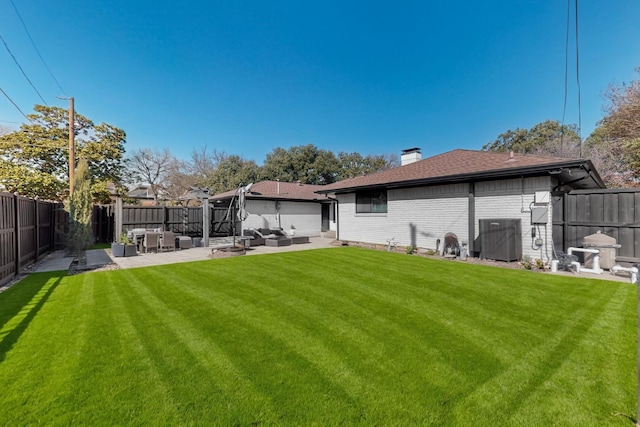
456 165
278 190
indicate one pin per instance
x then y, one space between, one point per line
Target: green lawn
327 337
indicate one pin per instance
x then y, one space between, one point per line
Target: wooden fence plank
615 212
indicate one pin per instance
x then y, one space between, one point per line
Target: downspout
337 219
472 217
333 199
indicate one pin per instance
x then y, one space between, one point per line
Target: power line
566 75
23 73
578 81
36 49
14 104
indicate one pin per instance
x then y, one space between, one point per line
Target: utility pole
72 147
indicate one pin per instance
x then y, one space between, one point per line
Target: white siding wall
419 216
415 216
305 216
512 199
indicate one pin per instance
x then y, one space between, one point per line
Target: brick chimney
410 155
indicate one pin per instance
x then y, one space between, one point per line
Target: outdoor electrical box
542 197
501 239
539 215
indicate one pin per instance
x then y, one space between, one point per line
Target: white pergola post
205 221
117 230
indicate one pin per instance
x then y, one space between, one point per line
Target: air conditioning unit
501 239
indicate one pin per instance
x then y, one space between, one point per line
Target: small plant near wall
527 262
540 264
411 249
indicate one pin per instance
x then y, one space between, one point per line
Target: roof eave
474 176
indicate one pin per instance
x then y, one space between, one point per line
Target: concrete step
328 234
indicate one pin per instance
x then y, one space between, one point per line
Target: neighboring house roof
196 193
470 165
141 192
275 190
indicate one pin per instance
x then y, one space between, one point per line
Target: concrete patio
97 258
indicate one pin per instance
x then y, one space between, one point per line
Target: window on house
371 201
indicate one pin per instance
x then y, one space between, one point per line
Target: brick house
462 192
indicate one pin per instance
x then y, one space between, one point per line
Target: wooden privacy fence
29 229
615 212
181 220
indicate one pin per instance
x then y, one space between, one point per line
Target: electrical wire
578 81
566 75
14 104
36 49
21 69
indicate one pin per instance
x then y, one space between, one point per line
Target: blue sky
245 77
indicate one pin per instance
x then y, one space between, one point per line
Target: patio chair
275 237
258 238
167 241
151 241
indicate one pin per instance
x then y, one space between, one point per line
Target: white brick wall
420 216
416 216
512 199
305 216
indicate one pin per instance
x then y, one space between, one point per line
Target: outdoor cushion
277 242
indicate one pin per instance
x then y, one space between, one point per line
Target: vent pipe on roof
410 155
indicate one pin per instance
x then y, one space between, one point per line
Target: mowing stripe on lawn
284 342
339 336
226 382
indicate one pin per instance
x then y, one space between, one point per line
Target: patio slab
55 261
202 253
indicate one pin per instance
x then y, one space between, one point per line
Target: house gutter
528 171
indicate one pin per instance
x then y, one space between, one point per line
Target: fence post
53 227
565 221
16 231
165 212
36 217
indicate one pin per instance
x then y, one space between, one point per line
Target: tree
622 118
203 165
151 167
304 163
549 135
231 172
355 164
621 125
34 159
80 209
178 180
